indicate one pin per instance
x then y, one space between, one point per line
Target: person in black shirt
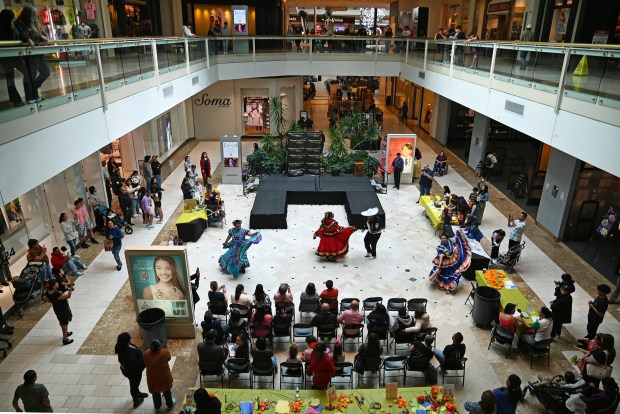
455 350
263 356
217 293
195 284
598 307
423 353
156 167
125 203
325 317
373 225
210 355
132 364
60 304
205 403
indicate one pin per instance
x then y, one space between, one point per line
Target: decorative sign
405 144
332 396
231 154
600 37
206 101
499 7
607 224
240 20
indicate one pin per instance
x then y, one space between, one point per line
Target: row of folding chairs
295 373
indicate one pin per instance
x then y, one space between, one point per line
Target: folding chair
219 309
395 304
415 303
395 363
292 370
218 372
359 336
345 303
238 366
308 306
263 370
302 330
369 303
344 370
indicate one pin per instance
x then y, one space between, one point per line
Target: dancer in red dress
334 238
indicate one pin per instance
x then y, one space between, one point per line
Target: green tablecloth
509 296
191 216
434 213
231 398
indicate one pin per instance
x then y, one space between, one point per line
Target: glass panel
130 61
112 65
36 215
145 57
506 61
75 183
91 173
57 198
50 80
439 52
14 80
593 74
81 63
176 55
162 57
546 67
197 52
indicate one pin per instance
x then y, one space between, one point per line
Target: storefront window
255 115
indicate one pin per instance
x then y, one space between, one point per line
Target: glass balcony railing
36 79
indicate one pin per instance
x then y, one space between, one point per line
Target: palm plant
277 108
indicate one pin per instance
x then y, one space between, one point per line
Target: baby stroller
508 259
440 168
27 285
215 213
553 393
109 214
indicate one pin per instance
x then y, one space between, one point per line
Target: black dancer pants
370 241
397 178
134 386
157 399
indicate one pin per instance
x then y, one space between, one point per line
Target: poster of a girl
169 285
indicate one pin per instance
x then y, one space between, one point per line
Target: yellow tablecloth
509 296
191 216
434 213
233 397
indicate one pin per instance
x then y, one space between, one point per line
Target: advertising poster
255 115
231 154
159 279
240 20
215 20
14 214
562 16
607 224
405 144
164 132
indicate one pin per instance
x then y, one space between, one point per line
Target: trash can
486 300
152 326
388 100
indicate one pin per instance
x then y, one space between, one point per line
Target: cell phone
519 310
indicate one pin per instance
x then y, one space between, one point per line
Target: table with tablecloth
231 398
510 296
191 225
434 213
479 258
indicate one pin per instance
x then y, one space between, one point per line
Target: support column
558 192
479 138
440 121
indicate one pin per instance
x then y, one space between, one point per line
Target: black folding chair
395 364
237 366
455 363
281 330
327 331
395 304
502 336
358 336
302 330
413 304
345 303
369 303
344 370
262 370
292 370
308 306
219 309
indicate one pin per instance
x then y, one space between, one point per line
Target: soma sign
498 7
204 100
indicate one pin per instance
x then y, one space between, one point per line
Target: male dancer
373 225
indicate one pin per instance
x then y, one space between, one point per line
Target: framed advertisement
159 278
15 216
403 144
231 154
255 115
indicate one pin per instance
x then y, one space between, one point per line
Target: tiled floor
93 383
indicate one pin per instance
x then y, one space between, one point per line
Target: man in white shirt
225 32
518 227
187 31
488 164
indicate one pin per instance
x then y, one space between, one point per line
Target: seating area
345 324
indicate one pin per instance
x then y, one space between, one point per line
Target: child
473 196
311 342
337 354
597 310
292 354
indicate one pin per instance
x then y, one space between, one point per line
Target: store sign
206 101
498 7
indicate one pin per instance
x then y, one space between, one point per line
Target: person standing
30 31
156 167
481 203
205 168
561 310
459 35
95 201
158 375
114 233
225 32
597 309
397 166
388 36
527 36
321 367
440 47
132 364
373 225
147 173
404 112
488 163
518 227
126 206
9 32
84 223
34 396
60 304
68 229
496 240
426 181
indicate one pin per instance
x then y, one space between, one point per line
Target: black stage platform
276 192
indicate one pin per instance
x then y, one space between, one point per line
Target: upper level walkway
556 93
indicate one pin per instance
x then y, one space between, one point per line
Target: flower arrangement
495 278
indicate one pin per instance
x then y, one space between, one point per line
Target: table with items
434 211
497 279
407 400
479 258
191 225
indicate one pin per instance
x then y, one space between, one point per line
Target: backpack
487 162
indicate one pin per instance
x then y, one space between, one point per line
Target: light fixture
367 15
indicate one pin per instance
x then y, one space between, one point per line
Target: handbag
107 245
599 372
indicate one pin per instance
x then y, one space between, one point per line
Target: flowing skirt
236 258
336 245
448 276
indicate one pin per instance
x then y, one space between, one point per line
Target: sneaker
67 341
373 257
138 403
77 256
119 267
158 222
78 273
143 395
368 254
85 245
174 401
93 241
84 267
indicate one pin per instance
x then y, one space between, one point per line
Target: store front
503 20
135 18
558 21
419 100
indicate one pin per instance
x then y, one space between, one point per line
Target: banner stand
406 145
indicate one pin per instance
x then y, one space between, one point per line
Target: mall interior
133 84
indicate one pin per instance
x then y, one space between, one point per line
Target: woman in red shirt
321 367
205 168
330 293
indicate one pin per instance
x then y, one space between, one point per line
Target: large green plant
277 108
353 127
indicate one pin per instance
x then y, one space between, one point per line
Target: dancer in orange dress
334 238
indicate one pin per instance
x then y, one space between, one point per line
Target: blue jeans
46 273
523 56
73 264
439 355
116 252
134 205
158 176
72 245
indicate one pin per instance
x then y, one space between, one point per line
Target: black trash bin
152 326
388 100
485 305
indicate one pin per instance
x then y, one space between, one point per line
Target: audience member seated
330 293
261 299
282 317
210 355
351 316
205 403
284 295
309 293
262 319
603 401
208 324
509 396
406 328
262 356
423 352
321 368
217 293
455 350
368 352
241 351
241 298
293 354
311 342
59 260
508 320
236 325
486 405
325 317
337 353
542 328
604 355
379 316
